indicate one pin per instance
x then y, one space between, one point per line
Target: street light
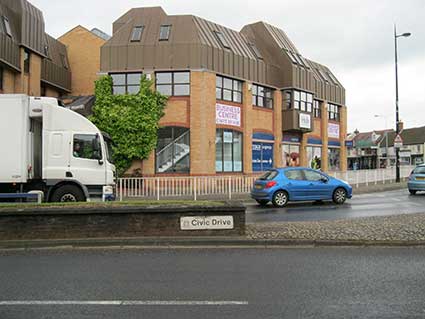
385 117
397 126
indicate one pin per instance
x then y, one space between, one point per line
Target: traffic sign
398 141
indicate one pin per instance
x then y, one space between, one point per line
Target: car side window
313 176
295 175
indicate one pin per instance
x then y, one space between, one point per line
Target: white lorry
46 147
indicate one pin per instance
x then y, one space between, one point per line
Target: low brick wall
66 223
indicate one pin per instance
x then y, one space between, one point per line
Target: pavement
213 283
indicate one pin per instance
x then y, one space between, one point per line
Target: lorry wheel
68 193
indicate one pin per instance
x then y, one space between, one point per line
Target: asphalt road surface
213 283
373 204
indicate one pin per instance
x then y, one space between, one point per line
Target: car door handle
311 184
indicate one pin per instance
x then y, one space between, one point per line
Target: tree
131 120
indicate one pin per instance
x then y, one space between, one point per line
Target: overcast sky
354 38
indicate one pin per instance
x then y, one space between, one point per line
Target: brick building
31 61
240 102
83 47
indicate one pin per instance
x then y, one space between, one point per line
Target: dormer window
255 50
222 39
291 56
136 35
333 78
64 61
46 51
322 75
164 32
7 26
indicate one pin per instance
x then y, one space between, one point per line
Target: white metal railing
372 176
228 186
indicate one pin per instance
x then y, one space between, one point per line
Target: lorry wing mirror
97 150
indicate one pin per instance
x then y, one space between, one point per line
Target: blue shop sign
262 156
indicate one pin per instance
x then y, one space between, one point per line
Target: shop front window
228 154
173 150
333 159
314 157
290 155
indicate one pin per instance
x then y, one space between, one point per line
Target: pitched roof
369 139
410 136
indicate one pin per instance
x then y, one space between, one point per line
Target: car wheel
280 199
412 192
340 196
262 202
68 193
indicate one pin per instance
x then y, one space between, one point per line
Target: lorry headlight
107 190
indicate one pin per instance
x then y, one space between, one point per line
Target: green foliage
130 119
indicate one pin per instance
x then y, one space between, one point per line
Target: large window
298 100
290 155
228 89
333 112
287 100
173 83
173 150
316 109
126 83
164 32
86 146
27 56
333 159
228 151
314 157
262 96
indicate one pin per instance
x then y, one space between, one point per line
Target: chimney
400 126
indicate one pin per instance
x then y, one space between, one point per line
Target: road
213 283
373 204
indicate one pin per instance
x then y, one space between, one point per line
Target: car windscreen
269 175
419 170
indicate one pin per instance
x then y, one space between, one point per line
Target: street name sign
206 222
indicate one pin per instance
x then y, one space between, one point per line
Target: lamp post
397 126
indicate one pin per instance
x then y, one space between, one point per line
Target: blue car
282 185
416 181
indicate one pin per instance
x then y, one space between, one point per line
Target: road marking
122 303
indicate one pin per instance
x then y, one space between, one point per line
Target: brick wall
84 59
65 223
202 123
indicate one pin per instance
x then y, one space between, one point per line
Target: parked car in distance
416 181
282 185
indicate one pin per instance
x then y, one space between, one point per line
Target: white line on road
122 303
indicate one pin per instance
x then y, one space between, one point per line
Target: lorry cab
66 155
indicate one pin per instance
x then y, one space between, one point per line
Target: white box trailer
47 147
